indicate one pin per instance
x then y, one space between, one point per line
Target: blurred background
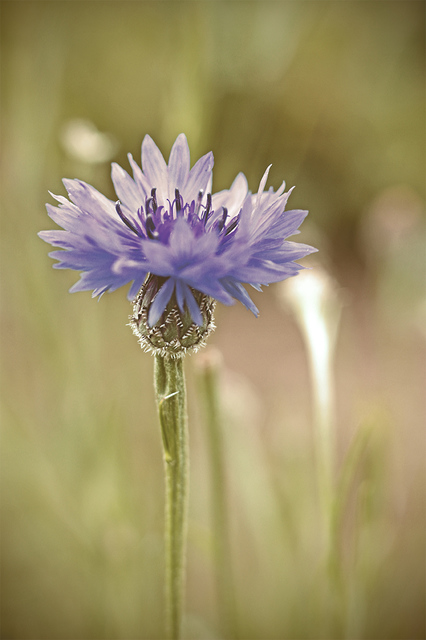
332 94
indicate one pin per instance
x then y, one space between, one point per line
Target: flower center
155 222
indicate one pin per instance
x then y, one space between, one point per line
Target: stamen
124 218
178 201
221 222
200 197
208 207
151 203
233 225
154 199
151 231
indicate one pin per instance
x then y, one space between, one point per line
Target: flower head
168 227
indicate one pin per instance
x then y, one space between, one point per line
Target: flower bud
175 333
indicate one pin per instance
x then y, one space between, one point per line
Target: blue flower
167 223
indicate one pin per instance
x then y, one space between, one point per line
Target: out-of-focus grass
332 94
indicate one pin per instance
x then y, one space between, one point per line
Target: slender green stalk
347 476
221 544
171 400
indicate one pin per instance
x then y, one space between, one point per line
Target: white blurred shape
82 141
314 298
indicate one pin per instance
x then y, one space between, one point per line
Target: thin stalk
220 522
347 476
324 439
171 401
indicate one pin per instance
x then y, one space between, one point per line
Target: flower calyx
175 334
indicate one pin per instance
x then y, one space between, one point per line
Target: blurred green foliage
330 93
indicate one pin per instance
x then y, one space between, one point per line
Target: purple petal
56 238
182 241
129 194
232 198
154 167
264 272
88 199
91 280
158 257
139 177
193 307
136 286
237 290
160 302
198 178
180 294
178 165
211 287
262 186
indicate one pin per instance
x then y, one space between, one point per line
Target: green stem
339 580
171 401
221 543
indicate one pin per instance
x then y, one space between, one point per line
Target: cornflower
181 248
